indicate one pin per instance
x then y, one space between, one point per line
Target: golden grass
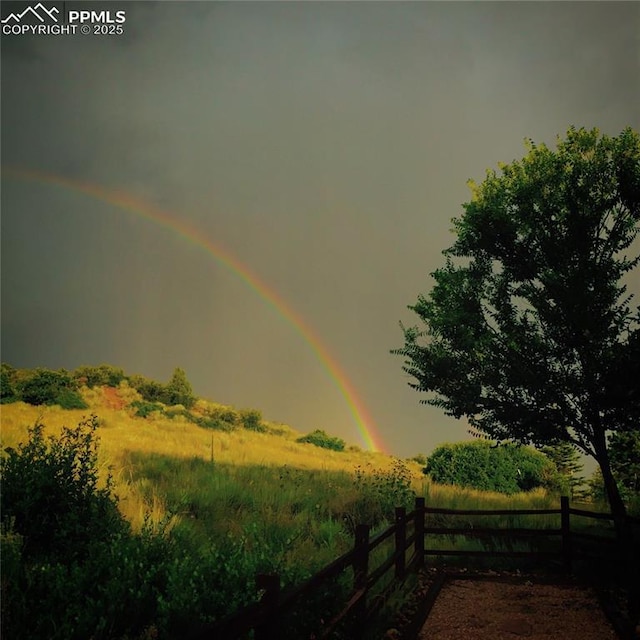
121 433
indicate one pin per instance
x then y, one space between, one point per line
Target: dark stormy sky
326 145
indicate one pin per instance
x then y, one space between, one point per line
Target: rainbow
270 296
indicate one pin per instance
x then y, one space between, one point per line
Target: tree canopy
529 330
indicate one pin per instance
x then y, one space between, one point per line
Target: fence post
360 576
418 545
401 541
270 583
565 525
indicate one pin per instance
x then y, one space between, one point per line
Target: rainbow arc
268 294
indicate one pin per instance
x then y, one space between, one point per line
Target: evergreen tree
566 459
179 390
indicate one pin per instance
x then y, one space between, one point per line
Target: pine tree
567 461
179 390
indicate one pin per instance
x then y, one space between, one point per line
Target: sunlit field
171 468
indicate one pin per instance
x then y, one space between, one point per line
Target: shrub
480 465
252 420
8 392
52 387
150 390
104 375
206 421
321 439
69 399
224 414
50 492
144 409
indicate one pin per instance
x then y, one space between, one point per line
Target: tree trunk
618 509
630 554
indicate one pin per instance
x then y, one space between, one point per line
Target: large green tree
529 331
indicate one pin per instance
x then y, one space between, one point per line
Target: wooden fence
410 534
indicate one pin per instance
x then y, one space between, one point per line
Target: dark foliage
481 465
529 331
322 439
48 387
51 495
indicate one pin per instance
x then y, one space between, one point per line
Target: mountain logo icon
39 11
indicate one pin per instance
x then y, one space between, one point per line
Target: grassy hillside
130 445
136 449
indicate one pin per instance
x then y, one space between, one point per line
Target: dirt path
495 610
112 399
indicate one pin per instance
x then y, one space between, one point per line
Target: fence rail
265 617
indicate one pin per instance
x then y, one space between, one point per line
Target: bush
228 416
321 439
206 421
69 399
144 409
480 465
252 420
104 375
52 387
8 392
150 390
177 391
50 493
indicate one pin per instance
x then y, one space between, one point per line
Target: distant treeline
173 399
48 387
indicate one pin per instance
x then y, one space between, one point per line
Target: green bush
144 408
176 391
50 493
104 375
206 421
8 391
480 465
48 387
321 439
69 399
150 390
252 420
226 418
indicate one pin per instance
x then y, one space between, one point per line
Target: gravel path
494 610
